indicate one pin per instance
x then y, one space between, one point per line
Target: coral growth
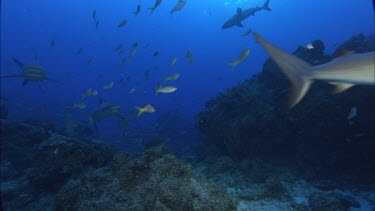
42 170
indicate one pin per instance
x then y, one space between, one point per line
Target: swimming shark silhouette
243 14
31 72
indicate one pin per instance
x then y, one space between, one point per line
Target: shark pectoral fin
340 87
25 82
300 86
20 64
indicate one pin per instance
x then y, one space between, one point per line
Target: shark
342 72
243 14
30 72
104 111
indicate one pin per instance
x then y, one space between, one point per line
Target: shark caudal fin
265 5
295 69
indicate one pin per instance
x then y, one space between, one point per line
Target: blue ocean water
28 25
224 140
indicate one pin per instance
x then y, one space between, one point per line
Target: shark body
343 72
104 111
31 72
243 14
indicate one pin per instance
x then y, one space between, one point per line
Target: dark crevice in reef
315 138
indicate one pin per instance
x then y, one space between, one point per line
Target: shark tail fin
233 64
20 64
295 69
265 5
140 110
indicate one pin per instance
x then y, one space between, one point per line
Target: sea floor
43 170
273 188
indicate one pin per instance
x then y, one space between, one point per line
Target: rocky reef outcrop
257 185
42 170
324 136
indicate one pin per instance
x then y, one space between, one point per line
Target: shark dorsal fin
239 12
20 64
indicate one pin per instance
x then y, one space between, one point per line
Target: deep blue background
27 24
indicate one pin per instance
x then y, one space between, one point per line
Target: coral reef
316 138
36 162
42 170
154 182
261 186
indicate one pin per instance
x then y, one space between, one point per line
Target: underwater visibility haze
187 105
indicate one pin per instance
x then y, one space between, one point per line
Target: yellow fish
79 105
132 91
109 86
172 77
148 109
89 92
173 62
165 89
243 56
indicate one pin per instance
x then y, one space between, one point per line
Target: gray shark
343 72
31 72
243 14
104 111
